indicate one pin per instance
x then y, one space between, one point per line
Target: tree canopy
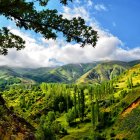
46 22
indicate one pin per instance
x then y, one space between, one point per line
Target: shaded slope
133 63
6 72
12 126
9 77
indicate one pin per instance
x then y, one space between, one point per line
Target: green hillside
9 77
62 74
107 110
127 87
103 72
70 73
133 73
85 73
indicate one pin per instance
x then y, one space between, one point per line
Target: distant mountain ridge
106 70
70 73
63 74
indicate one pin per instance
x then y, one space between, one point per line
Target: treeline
4 83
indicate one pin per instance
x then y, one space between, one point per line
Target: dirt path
132 106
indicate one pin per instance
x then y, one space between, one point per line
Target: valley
97 100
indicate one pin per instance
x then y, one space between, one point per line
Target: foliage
72 111
46 22
70 116
9 40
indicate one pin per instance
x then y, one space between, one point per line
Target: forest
49 111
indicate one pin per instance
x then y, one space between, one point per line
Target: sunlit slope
103 72
127 124
133 74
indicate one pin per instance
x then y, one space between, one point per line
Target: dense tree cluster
43 104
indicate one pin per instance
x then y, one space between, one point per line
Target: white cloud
44 53
75 12
100 7
89 3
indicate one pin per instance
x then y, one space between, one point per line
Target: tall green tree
75 102
46 22
92 106
82 104
130 82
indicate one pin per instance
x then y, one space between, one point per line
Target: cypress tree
82 104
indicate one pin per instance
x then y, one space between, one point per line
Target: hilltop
70 73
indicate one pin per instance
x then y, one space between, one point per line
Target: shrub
51 116
70 116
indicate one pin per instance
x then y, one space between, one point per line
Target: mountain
9 77
70 73
104 71
134 62
63 74
114 106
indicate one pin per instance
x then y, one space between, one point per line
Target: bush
70 116
51 116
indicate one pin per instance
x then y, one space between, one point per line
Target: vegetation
76 101
46 22
103 72
107 110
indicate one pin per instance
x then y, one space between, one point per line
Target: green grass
79 132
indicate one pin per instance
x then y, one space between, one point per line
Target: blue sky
124 14
117 22
121 18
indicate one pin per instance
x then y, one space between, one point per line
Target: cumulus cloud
44 53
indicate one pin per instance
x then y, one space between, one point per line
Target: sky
116 21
